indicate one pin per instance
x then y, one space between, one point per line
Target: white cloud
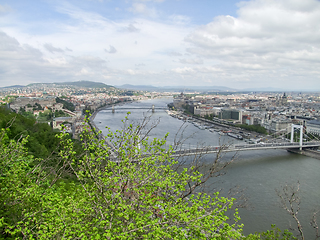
112 49
140 65
77 47
143 9
191 61
174 54
52 49
184 70
269 42
24 64
157 1
131 28
281 36
180 19
4 9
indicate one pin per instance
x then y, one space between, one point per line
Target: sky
236 44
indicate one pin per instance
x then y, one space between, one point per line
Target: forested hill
86 84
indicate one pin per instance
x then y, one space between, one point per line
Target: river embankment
306 152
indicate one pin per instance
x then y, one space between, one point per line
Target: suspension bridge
306 141
247 147
152 108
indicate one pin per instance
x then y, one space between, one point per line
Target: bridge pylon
293 126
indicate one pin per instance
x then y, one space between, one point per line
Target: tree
66 104
290 201
131 193
125 188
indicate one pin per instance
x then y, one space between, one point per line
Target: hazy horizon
252 44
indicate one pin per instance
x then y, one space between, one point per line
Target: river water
256 173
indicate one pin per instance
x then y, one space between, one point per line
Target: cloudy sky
237 44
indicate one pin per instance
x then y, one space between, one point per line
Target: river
256 173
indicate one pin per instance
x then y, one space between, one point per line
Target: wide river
256 173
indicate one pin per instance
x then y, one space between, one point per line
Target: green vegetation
28 114
87 110
108 199
41 138
86 84
10 99
210 117
66 104
37 106
255 128
186 109
47 115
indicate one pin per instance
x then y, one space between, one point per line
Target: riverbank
221 128
306 152
93 125
94 114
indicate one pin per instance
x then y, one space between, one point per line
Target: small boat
202 127
235 136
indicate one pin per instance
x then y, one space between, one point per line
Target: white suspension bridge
284 144
115 108
274 143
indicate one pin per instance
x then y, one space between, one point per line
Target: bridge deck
246 147
150 108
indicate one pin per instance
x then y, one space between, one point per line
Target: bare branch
290 201
314 224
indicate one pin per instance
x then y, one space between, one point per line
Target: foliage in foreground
41 143
133 192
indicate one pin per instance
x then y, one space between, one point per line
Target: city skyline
236 44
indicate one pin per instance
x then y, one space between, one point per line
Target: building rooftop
316 122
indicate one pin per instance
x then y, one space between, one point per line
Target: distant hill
14 86
177 88
209 88
138 87
267 89
86 84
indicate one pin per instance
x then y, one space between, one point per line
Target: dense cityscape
274 111
160 119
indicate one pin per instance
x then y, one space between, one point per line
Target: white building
279 123
313 127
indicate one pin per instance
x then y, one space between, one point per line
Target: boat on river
235 136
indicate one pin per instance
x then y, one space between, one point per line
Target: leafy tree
128 188
41 142
37 106
87 110
23 112
255 128
66 104
115 196
273 234
60 113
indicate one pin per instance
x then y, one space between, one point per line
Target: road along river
257 173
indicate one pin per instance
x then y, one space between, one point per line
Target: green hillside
87 84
